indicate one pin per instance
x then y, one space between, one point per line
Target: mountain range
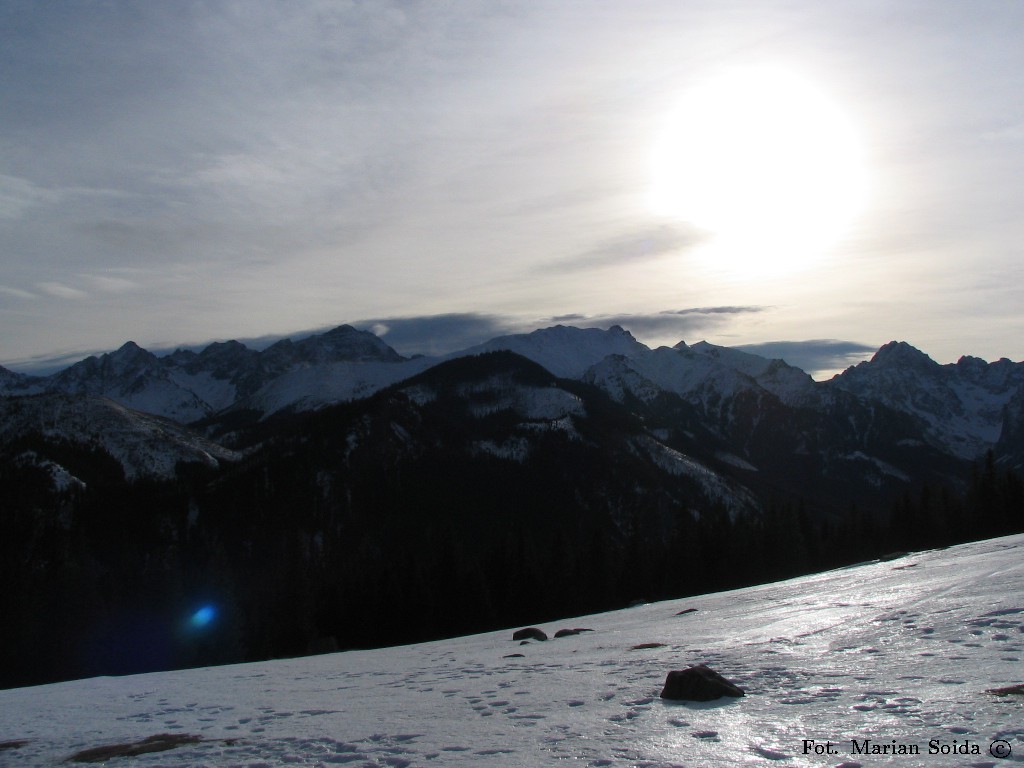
330 492
880 420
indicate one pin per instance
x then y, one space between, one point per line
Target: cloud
440 334
18 195
641 245
47 364
16 293
62 291
674 324
814 356
112 284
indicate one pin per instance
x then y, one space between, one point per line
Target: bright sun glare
766 164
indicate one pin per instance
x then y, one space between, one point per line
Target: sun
764 163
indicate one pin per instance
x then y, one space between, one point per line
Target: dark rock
698 683
514 656
529 633
686 611
645 646
570 632
159 743
524 642
1010 690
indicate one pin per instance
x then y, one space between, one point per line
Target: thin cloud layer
441 334
62 291
815 356
671 326
438 334
633 248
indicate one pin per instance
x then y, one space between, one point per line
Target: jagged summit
338 344
901 353
565 350
961 406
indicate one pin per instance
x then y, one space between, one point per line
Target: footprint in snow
771 754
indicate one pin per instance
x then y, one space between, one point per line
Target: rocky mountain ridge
767 423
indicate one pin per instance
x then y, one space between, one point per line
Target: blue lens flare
203 616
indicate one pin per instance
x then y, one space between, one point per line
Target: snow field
900 651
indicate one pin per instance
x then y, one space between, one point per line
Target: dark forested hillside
483 493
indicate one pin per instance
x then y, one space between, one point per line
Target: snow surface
537 403
563 350
899 651
316 386
703 374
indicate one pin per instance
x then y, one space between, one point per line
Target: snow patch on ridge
537 403
717 488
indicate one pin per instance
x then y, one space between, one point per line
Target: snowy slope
791 385
892 652
961 404
144 445
12 383
564 350
307 389
135 378
702 374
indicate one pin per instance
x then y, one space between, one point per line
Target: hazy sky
841 174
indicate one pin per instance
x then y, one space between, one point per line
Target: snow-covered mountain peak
789 384
345 343
221 349
129 357
225 359
750 364
901 354
961 405
564 350
120 368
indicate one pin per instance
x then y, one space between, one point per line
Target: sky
810 179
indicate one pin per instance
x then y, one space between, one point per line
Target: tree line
293 557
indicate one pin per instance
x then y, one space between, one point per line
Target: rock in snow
698 683
529 633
